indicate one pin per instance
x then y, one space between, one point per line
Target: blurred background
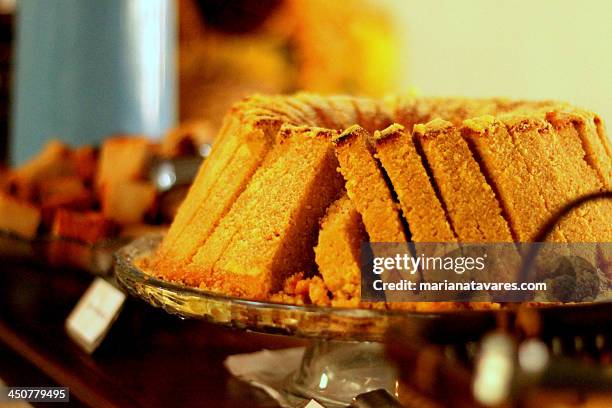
521 49
140 66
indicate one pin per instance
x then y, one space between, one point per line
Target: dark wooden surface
149 358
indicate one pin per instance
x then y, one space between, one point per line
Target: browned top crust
348 134
433 128
393 130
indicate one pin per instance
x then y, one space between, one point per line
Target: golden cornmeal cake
420 204
367 188
471 205
248 255
338 251
295 184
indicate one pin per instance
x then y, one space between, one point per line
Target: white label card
94 314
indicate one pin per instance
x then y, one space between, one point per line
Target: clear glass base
334 372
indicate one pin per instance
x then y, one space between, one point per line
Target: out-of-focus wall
536 49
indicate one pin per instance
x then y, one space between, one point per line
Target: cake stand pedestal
333 372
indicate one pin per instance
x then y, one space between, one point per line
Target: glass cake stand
345 358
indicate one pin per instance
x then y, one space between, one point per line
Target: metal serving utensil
166 174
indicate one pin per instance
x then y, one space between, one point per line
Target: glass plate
330 323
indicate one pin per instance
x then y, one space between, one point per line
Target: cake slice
507 169
221 237
595 143
54 160
534 138
578 177
367 188
338 251
272 228
90 226
223 147
473 209
242 145
372 196
249 125
420 205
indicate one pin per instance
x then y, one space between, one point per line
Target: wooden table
149 358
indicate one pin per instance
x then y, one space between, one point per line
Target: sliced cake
211 250
292 193
216 195
367 187
506 167
420 205
473 209
578 177
534 138
460 170
595 143
369 191
337 253
245 138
